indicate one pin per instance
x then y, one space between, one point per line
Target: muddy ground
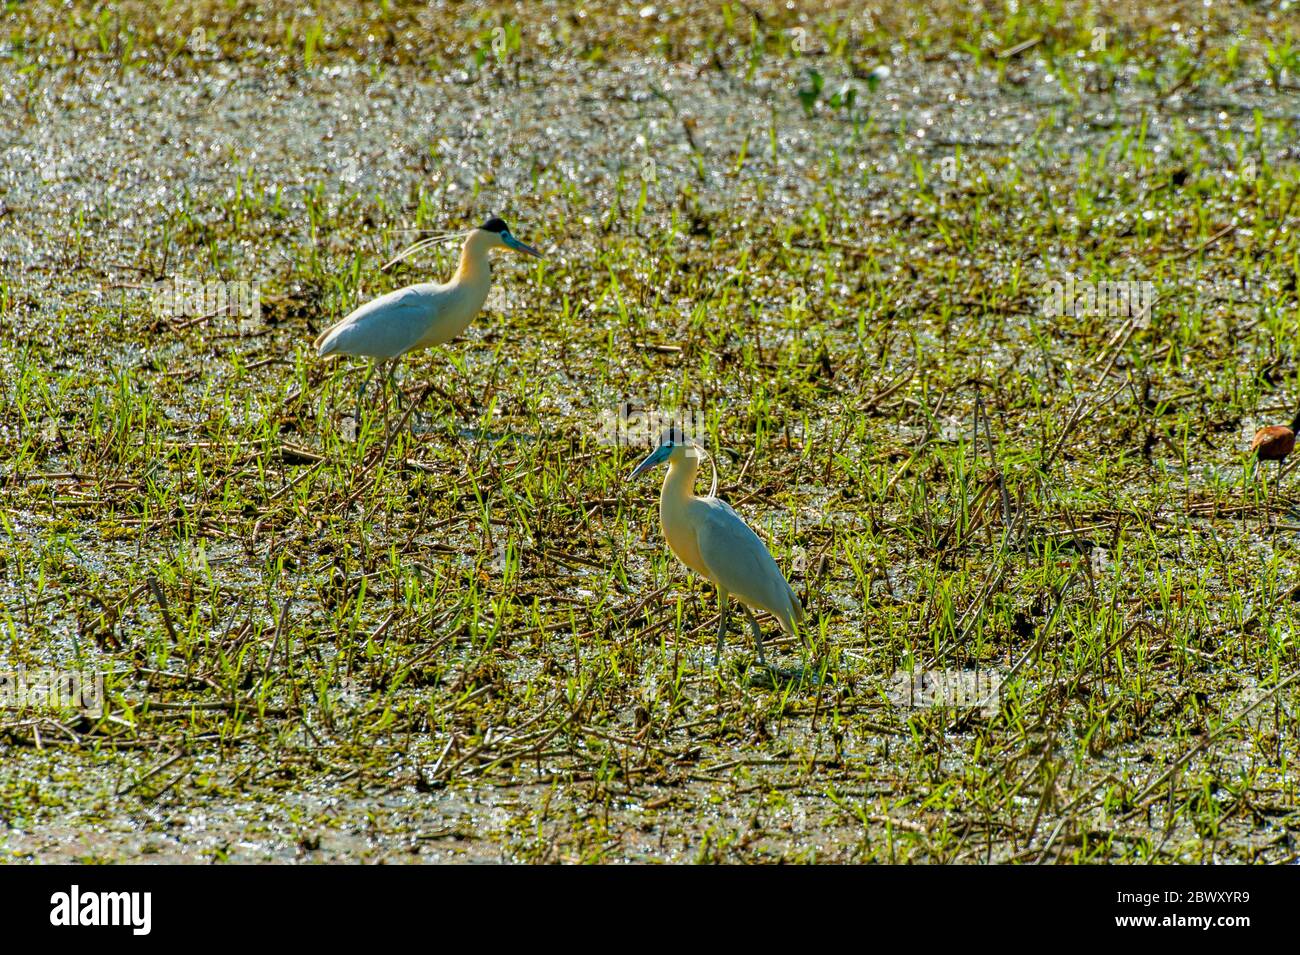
831 236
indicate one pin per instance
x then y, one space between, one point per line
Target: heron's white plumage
736 560
420 316
710 538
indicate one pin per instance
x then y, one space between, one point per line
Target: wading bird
711 539
424 315
1274 443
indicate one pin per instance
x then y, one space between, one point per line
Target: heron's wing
739 562
385 328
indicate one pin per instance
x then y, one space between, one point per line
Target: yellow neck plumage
474 265
679 482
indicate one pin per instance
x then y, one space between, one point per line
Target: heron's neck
474 268
679 482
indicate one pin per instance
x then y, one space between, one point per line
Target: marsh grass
330 635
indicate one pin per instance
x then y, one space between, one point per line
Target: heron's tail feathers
792 613
798 609
327 342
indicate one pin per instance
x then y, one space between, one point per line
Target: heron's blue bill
518 246
656 457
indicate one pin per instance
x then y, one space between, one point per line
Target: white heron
424 315
711 539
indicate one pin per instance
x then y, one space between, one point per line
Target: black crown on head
674 435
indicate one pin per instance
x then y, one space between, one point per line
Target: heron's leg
365 383
397 389
722 625
758 634
384 380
